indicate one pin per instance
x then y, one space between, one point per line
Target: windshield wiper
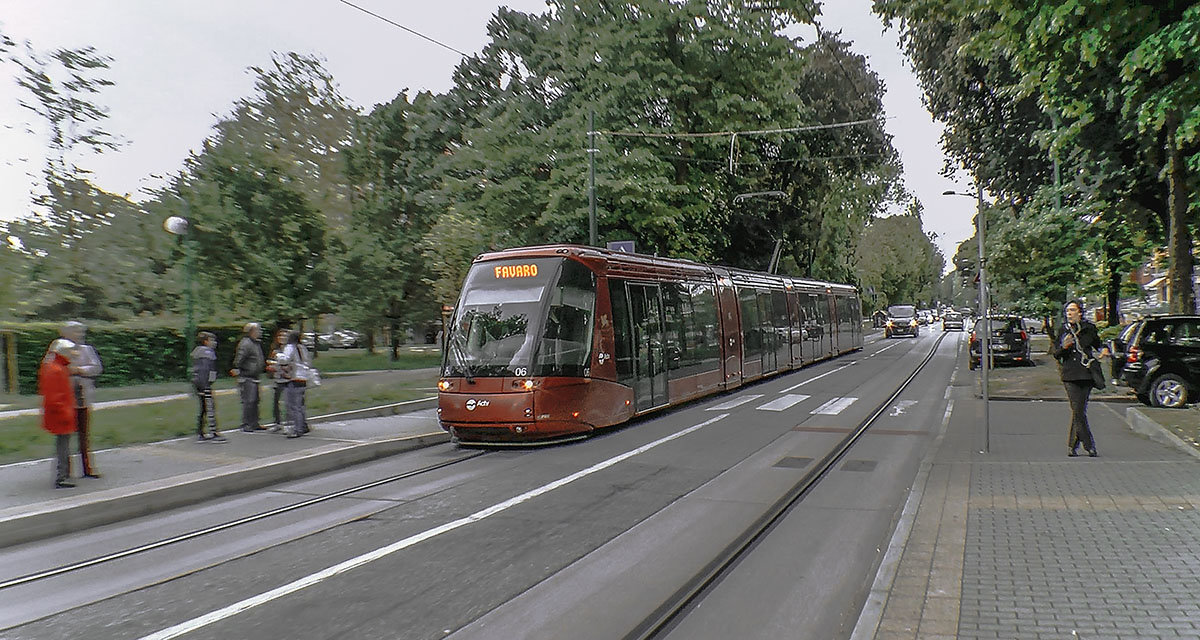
461 358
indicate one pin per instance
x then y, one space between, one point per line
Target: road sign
624 246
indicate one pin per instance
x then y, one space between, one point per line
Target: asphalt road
579 541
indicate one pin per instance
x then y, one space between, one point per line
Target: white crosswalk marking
784 403
736 402
835 406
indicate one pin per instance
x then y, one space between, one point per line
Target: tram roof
643 264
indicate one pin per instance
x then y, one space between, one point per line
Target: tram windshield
507 305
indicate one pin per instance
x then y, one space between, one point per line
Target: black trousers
1077 393
208 412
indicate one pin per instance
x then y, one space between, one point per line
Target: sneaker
64 484
202 438
218 438
276 429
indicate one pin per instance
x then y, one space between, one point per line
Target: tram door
650 362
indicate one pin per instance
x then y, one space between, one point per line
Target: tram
551 343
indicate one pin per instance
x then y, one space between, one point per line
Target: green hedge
131 354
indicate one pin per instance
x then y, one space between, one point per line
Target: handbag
1093 364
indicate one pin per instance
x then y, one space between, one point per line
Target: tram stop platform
143 479
1025 542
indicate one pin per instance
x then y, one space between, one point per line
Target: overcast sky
178 66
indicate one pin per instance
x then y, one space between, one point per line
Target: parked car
1009 342
923 316
952 320
1162 360
1119 347
1034 325
345 339
902 320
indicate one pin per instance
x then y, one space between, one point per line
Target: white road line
353 563
835 406
827 373
949 389
884 349
736 402
784 403
946 416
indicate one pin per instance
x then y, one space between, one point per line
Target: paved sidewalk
142 479
1024 542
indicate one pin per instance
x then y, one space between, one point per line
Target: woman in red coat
58 405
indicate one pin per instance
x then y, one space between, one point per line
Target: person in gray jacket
248 365
204 373
84 368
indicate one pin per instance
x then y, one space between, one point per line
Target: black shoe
64 484
218 438
1092 452
1073 453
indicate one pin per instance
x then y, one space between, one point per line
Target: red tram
550 343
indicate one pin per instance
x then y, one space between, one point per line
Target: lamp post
179 226
985 341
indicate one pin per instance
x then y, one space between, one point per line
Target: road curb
1149 427
1117 400
67 515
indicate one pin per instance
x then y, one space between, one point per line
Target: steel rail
662 618
83 564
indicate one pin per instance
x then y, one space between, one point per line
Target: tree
60 88
898 260
1108 87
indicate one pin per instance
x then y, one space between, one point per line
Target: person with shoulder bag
1077 347
294 365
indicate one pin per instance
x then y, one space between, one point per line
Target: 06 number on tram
551 343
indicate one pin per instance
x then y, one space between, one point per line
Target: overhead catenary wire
397 24
733 135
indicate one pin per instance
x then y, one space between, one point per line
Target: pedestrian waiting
85 367
58 406
295 367
204 374
248 365
279 383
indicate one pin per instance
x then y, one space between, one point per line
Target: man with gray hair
248 365
84 368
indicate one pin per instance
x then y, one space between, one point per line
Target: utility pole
592 177
985 341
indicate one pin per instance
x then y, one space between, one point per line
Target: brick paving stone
1025 542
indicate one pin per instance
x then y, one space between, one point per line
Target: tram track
668 614
209 530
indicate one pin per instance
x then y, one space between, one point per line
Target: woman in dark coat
1076 342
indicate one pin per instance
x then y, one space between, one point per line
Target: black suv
1009 343
1162 359
902 320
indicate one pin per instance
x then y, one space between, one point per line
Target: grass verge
22 438
1041 380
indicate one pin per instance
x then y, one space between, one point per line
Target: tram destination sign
508 271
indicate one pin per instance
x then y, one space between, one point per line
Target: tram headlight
443 385
524 384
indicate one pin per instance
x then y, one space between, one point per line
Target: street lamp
985 341
179 226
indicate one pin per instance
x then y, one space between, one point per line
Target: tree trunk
1113 289
395 342
371 341
1179 273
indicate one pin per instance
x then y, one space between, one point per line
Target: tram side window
622 332
812 316
751 331
676 328
566 348
706 325
765 319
